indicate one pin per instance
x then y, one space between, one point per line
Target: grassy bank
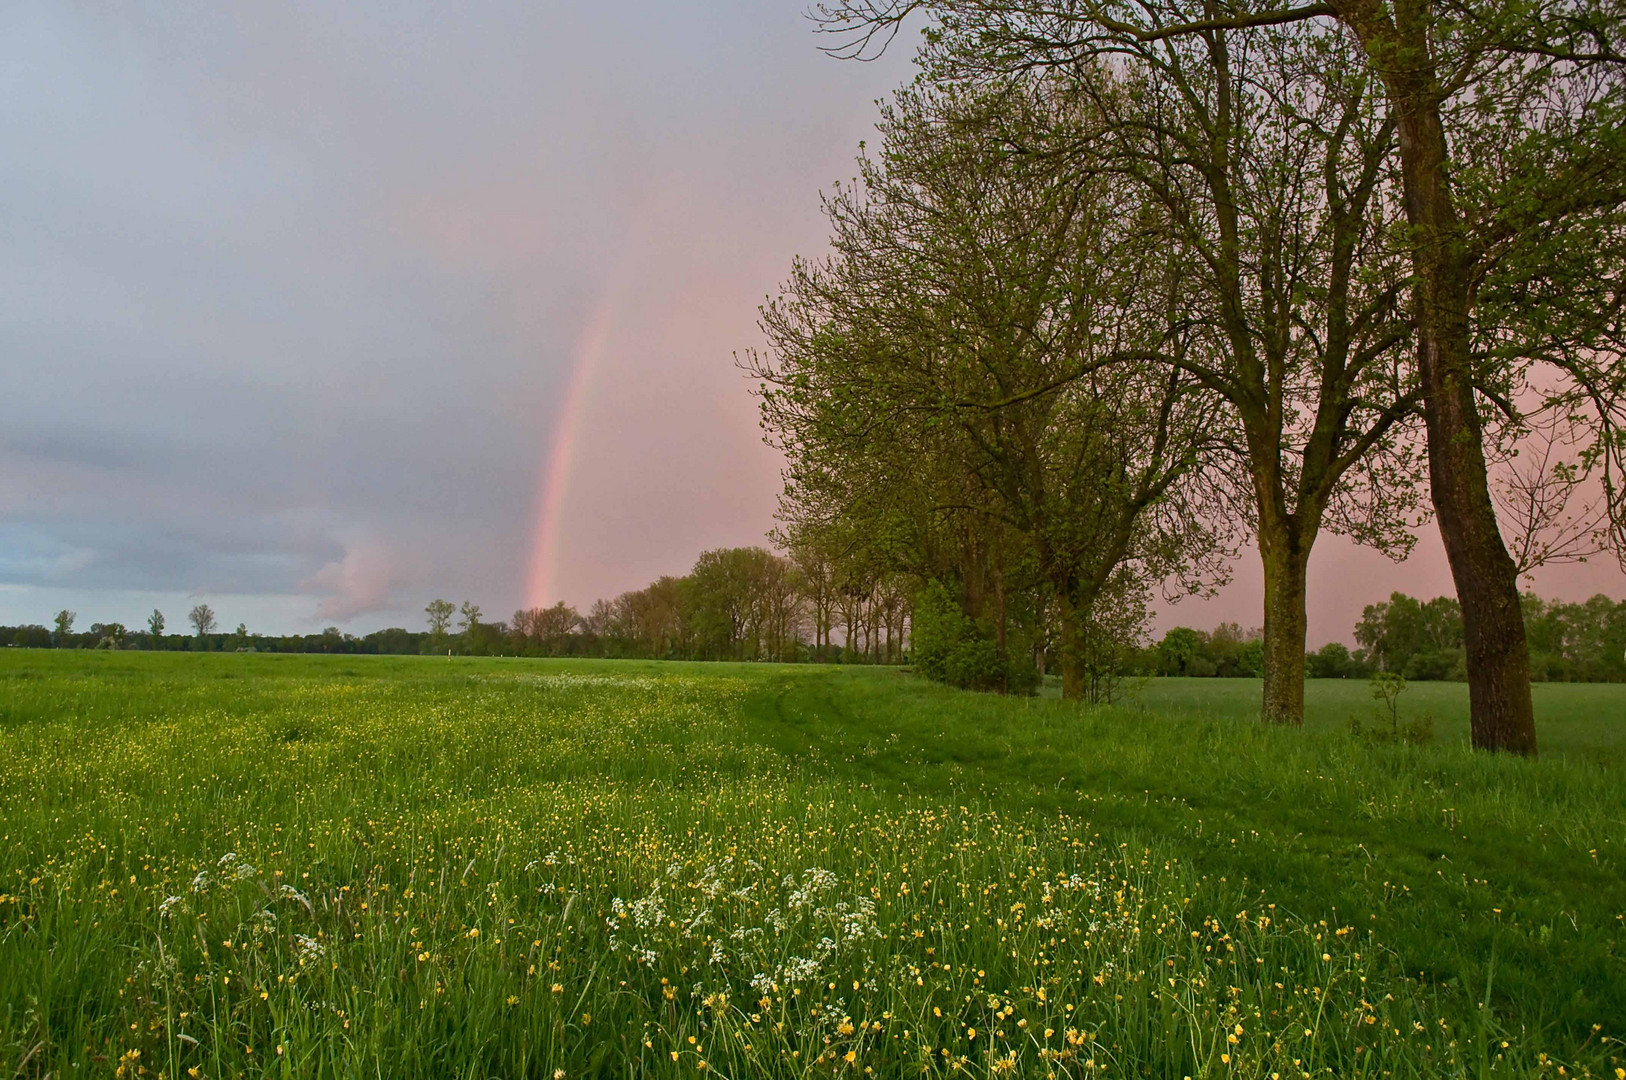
295 866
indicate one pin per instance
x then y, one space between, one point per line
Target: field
1578 720
229 865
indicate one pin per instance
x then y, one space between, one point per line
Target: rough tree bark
1286 562
1498 658
1072 650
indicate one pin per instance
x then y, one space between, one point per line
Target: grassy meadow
1577 720
289 866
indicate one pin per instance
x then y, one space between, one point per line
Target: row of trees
748 604
1126 283
735 604
1417 639
111 635
205 637
1568 642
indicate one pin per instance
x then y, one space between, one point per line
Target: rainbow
541 585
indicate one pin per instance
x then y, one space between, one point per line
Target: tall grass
423 868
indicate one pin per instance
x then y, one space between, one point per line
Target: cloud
361 583
288 293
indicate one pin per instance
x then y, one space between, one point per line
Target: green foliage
1227 652
949 647
1333 661
1386 688
1421 639
1583 642
1180 651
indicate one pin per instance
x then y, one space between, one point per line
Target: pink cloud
360 583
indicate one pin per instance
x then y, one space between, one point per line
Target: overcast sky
303 308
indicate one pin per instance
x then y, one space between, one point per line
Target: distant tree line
205 637
744 603
750 604
1421 640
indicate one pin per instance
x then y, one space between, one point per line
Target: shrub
949 647
1433 665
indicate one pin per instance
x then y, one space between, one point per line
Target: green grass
1577 720
298 866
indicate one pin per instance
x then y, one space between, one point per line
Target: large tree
1512 165
987 317
1267 157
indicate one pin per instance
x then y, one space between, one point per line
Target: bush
1333 661
1433 665
949 647
974 664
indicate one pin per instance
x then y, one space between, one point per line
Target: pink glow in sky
321 311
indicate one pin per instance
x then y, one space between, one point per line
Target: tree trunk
1072 652
1501 714
1498 659
1286 569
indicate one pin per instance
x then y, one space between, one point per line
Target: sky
317 312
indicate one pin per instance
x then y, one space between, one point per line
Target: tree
553 626
1421 640
202 618
1577 641
1513 159
1511 150
155 623
652 621
600 618
983 329
1180 653
440 614
814 560
469 615
64 624
1267 156
723 601
1332 661
523 626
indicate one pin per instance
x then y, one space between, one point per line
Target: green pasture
1585 720
290 866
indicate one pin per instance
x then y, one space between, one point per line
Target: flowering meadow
292 868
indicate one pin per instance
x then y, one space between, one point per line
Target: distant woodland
749 604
